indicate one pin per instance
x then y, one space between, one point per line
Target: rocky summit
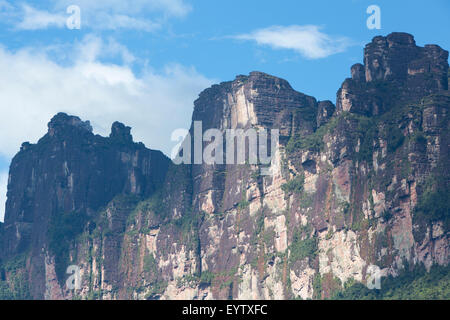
357 190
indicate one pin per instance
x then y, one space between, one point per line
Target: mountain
359 186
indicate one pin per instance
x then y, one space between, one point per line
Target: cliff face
355 186
62 182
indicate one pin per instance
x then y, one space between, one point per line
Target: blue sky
144 62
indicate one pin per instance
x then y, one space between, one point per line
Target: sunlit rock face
395 71
349 190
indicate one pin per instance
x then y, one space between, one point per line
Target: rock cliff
352 187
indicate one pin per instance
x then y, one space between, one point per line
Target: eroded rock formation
351 186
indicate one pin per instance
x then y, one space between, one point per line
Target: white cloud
176 8
104 21
33 88
145 15
34 19
92 48
5 6
307 40
3 185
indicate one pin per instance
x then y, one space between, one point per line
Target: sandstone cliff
361 184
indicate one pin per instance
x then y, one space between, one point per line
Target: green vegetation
224 278
259 224
268 236
306 200
63 229
409 285
386 215
363 129
156 289
5 291
157 284
15 286
150 264
294 185
394 137
206 277
188 226
359 223
153 204
255 174
313 142
244 201
433 205
243 204
303 248
317 286
300 249
419 138
346 207
329 234
367 131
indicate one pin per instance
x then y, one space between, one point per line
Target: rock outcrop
354 188
71 170
395 71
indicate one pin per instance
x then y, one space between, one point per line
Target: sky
144 62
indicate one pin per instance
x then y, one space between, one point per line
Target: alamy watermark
374 20
73 282
230 146
374 279
74 20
